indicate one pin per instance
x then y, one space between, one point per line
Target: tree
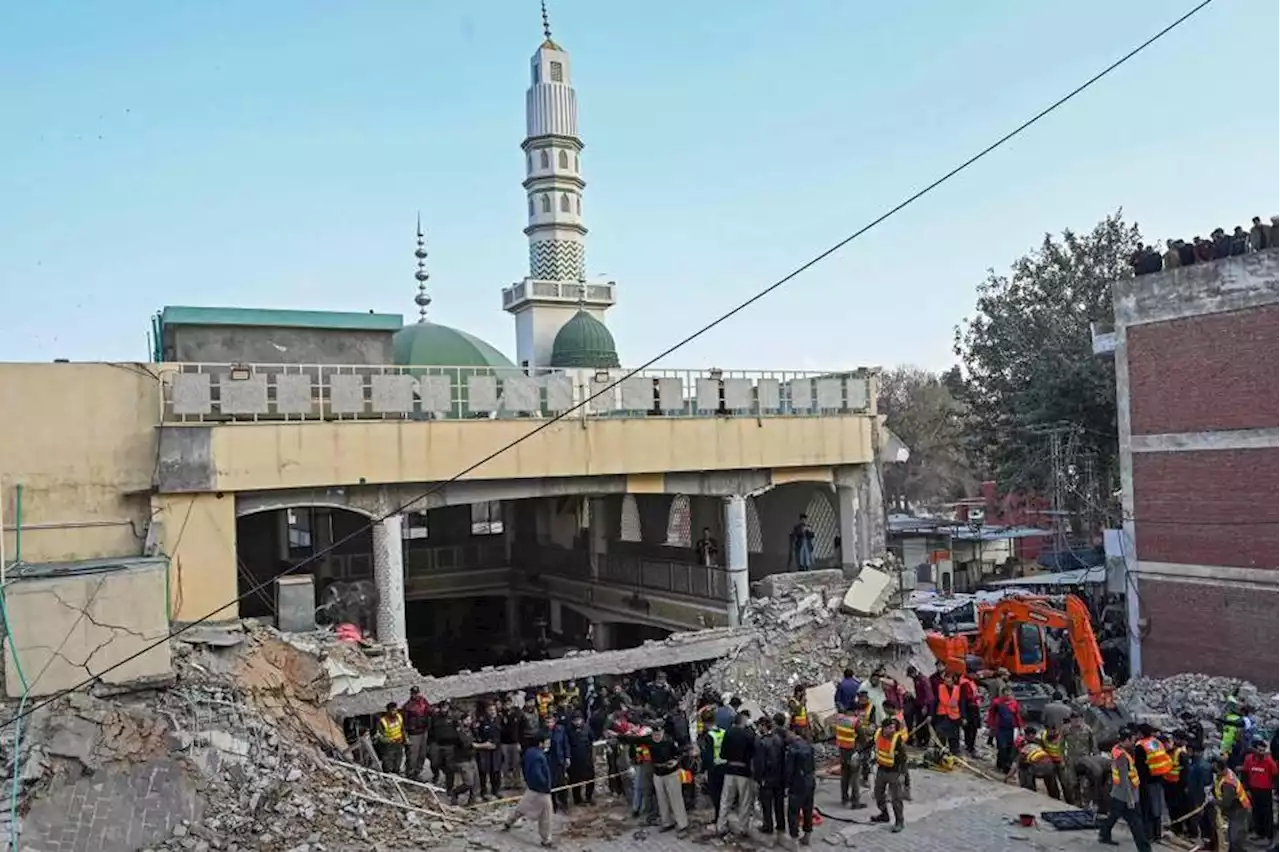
1028 354
920 410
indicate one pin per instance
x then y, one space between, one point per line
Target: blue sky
275 154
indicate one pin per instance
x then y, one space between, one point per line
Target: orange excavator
1011 636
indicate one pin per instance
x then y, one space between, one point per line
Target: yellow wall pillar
199 538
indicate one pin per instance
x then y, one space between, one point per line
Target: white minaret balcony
532 291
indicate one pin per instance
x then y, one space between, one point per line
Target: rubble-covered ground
1161 701
239 753
803 636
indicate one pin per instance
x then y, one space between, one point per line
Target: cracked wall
69 628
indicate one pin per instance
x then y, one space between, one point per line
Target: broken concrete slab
215 636
869 594
678 649
798 582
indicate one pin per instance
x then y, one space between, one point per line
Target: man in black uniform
768 767
802 781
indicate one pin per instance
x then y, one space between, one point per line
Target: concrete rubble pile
1161 701
239 754
804 634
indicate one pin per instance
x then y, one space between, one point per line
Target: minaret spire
555 289
422 299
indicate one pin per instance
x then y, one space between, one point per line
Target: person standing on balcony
802 545
707 549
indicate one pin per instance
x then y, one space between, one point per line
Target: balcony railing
221 393
599 293
681 578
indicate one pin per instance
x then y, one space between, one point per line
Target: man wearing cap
891 762
582 765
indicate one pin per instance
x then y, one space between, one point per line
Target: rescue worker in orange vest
1124 795
1153 763
1233 804
891 764
390 738
846 731
1175 781
1035 762
949 712
888 710
799 710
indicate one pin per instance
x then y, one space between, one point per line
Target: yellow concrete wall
251 456
78 438
199 537
65 629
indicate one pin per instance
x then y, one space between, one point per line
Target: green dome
426 344
584 342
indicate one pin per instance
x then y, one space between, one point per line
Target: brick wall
1220 630
1204 373
1207 507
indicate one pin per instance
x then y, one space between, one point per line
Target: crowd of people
1177 253
542 747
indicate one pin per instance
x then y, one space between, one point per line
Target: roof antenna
422 299
546 22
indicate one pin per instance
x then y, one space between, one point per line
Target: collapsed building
243 746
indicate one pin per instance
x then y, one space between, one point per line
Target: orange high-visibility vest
1175 773
1158 761
949 701
887 748
1229 779
686 777
799 714
846 732
1116 754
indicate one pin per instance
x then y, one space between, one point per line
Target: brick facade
1208 507
1197 627
1205 373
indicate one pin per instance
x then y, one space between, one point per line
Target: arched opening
825 525
679 523
629 522
331 544
563 160
755 539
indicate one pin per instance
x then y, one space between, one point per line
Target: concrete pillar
735 542
388 577
602 636
873 506
852 544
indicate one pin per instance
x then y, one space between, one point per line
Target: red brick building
1196 381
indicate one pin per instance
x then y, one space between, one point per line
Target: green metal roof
426 344
336 320
584 341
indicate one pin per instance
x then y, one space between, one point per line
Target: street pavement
951 812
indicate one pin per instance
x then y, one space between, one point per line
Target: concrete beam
676 650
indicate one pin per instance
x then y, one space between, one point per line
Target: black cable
907 202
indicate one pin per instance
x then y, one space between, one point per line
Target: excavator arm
999 643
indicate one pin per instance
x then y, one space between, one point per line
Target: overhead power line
804 267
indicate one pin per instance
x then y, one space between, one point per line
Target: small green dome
426 344
584 342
